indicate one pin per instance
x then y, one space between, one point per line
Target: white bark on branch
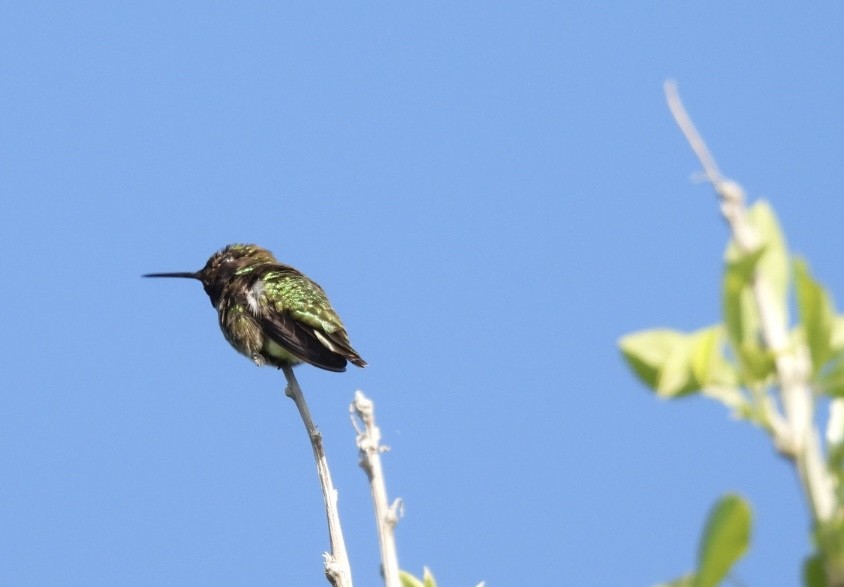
337 568
386 515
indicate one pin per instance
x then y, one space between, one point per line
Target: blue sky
491 194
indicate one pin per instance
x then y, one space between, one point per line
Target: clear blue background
491 194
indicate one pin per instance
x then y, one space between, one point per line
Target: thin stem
713 174
337 568
798 439
386 516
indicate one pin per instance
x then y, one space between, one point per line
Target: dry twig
337 567
386 515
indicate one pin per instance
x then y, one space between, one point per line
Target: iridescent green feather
305 300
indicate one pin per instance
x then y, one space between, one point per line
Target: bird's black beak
187 274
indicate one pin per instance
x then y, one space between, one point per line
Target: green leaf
674 363
704 352
768 261
724 541
831 379
708 364
814 574
675 377
662 360
743 263
740 314
774 265
684 581
757 364
742 320
829 539
816 315
408 580
838 333
647 352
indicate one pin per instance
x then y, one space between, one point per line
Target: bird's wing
300 341
338 341
295 313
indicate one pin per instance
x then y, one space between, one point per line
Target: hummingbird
271 312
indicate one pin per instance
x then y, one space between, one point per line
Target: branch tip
369 445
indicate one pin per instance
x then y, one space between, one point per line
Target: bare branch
337 568
386 515
713 174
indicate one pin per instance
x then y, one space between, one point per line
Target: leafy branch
766 370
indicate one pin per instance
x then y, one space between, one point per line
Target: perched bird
271 312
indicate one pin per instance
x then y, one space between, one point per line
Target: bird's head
223 265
